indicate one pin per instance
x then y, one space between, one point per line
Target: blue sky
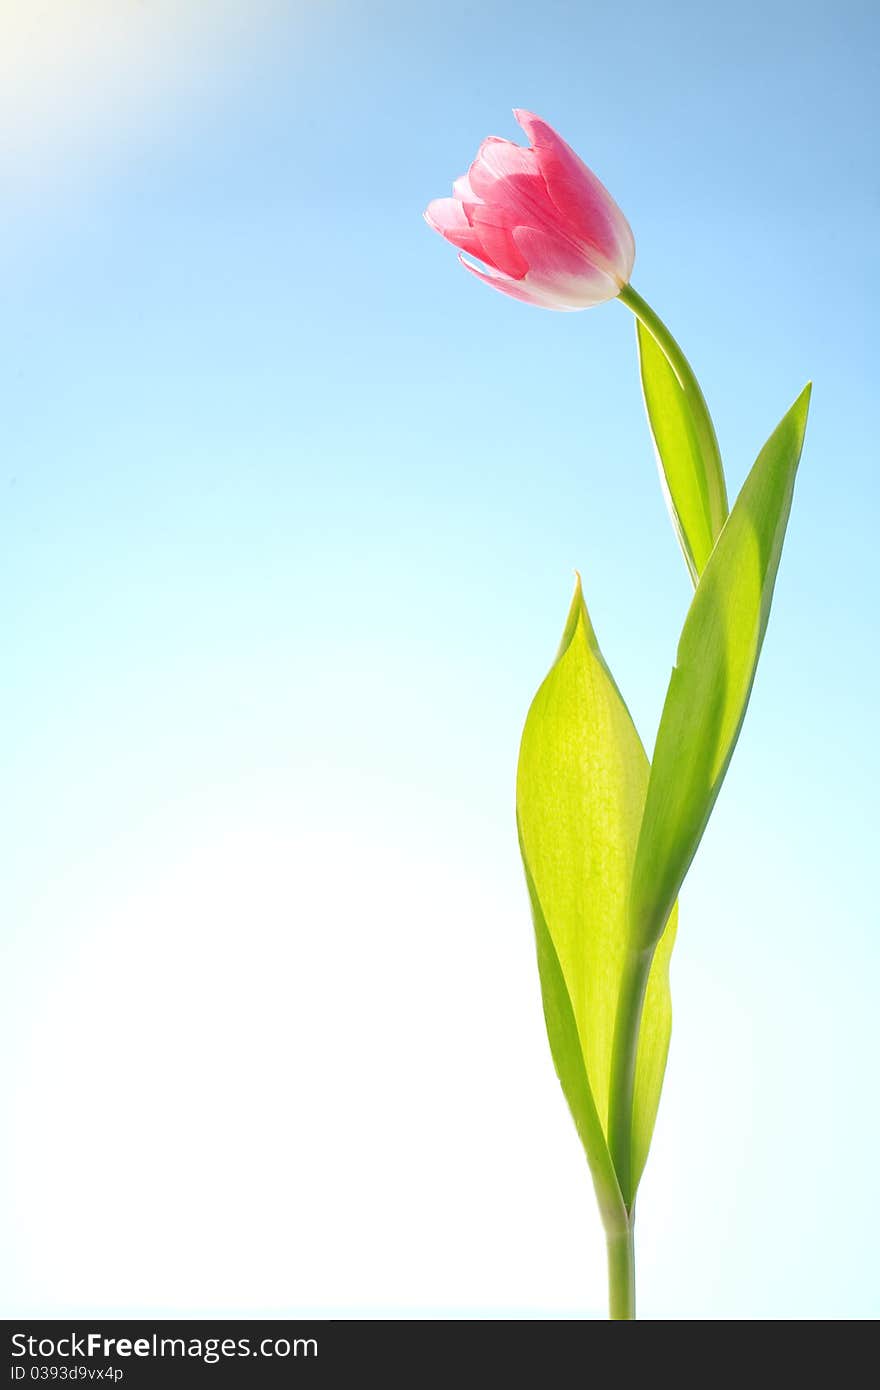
291 510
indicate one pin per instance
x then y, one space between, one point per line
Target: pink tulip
543 225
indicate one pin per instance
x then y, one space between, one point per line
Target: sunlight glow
80 83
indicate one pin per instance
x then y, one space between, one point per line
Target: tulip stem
684 375
622 1274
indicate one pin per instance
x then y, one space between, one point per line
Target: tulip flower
606 836
547 231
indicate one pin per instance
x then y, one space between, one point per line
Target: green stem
623 1068
684 375
661 334
622 1275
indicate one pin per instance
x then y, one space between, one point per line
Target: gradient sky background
291 509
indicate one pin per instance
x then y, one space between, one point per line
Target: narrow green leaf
687 453
581 785
712 680
654 1033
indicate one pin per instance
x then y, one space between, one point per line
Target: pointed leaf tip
577 614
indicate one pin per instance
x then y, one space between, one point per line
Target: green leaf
712 680
568 1058
581 785
654 1033
688 459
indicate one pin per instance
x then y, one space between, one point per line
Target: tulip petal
501 159
580 197
556 267
447 216
462 190
517 289
495 234
507 176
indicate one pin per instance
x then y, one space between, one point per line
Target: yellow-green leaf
712 680
581 786
654 1032
568 1058
687 452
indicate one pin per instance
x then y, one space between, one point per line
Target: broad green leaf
712 679
568 1058
687 451
581 786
